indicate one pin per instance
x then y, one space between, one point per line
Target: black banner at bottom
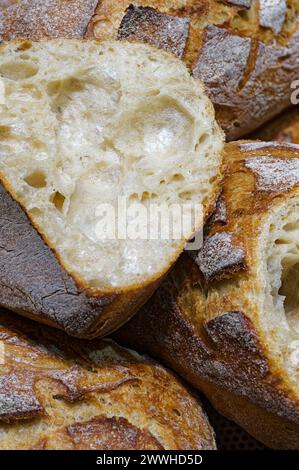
126 459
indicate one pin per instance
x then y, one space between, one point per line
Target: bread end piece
119 123
231 329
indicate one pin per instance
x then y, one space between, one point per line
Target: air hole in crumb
134 197
5 132
58 200
178 177
18 70
203 138
37 179
24 56
185 195
25 45
54 87
145 196
281 242
38 144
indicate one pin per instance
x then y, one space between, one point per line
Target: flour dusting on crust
46 18
273 14
274 174
219 254
150 26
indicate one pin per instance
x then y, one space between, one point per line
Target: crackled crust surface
229 328
244 51
61 394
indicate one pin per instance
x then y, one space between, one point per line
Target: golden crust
82 395
243 59
205 324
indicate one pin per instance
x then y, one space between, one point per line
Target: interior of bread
280 277
85 123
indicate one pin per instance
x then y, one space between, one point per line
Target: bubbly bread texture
227 319
85 124
69 395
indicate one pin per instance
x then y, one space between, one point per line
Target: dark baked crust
147 25
62 394
247 62
200 323
34 283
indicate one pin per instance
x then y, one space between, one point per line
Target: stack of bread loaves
108 108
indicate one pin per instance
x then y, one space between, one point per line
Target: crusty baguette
245 51
283 128
227 320
62 394
36 19
85 126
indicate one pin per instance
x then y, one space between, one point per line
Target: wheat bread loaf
246 52
57 393
85 129
227 319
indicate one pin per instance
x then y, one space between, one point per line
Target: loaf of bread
245 51
62 394
91 133
228 319
283 128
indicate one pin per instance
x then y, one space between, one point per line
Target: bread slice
92 133
228 320
69 395
246 52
